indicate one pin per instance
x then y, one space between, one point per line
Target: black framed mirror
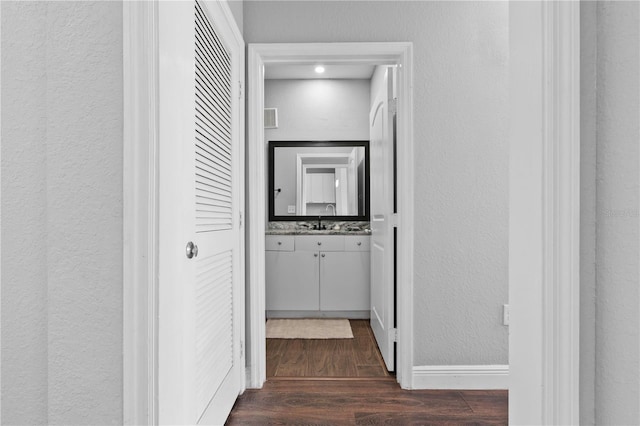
318 179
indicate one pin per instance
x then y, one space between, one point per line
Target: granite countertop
316 232
306 228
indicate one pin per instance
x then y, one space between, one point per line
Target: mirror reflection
327 179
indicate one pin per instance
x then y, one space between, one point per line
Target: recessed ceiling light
319 69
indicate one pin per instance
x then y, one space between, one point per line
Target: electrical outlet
291 209
505 314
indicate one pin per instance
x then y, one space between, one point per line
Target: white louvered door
201 194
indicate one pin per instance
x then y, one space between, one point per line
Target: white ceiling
306 72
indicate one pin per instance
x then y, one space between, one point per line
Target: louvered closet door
201 293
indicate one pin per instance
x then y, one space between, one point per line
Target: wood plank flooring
345 382
357 357
365 402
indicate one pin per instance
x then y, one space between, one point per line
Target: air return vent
270 118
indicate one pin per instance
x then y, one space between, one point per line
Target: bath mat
309 329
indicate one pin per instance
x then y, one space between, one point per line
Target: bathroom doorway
306 357
319 194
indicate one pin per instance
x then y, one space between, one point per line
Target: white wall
24 270
236 7
616 108
461 155
318 109
62 212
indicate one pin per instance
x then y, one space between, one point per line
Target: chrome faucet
333 206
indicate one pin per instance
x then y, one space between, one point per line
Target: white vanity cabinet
317 275
292 276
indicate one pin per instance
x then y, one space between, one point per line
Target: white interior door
201 293
382 235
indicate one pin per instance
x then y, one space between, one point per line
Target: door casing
259 55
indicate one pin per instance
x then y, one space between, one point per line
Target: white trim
0 218
461 377
256 208
561 212
371 53
544 212
140 213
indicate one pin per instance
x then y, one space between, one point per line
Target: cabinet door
344 281
292 281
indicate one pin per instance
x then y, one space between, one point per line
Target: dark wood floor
364 402
357 357
344 382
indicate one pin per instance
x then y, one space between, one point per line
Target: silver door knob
319 243
191 250
359 243
323 254
315 254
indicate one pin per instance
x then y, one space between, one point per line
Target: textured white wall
236 7
617 354
318 109
62 212
461 155
24 268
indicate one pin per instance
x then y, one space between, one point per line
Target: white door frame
544 214
327 53
140 210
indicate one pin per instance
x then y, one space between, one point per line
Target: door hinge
394 334
241 348
240 219
394 220
393 105
239 90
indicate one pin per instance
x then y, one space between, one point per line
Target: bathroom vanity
317 275
317 242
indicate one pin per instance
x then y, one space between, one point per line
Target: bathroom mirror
311 179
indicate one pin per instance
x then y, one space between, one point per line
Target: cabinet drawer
320 242
279 243
356 243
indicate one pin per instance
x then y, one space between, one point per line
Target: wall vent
270 118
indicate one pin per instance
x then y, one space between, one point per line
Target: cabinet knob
280 243
323 255
319 243
315 254
359 243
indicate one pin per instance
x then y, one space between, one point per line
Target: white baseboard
461 377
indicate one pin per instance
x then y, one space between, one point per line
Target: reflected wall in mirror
308 179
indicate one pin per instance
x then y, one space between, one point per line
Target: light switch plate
291 209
